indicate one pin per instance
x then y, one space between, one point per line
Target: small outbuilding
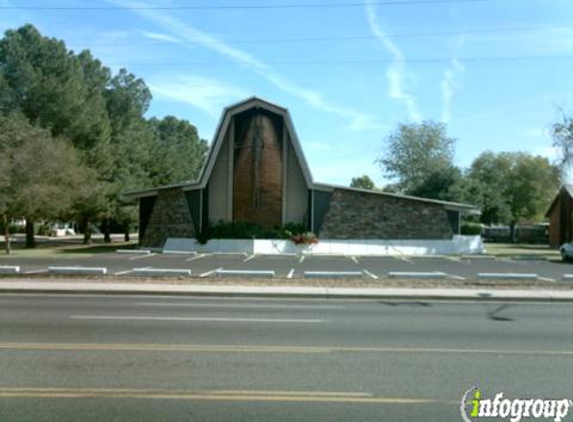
560 215
256 172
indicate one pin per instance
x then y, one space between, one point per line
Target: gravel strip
350 283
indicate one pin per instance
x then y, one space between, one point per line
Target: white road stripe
456 277
354 259
197 319
247 259
123 272
208 273
301 258
368 273
546 279
194 258
403 258
290 273
133 258
45 270
239 305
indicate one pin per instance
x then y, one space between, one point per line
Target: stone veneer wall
358 215
170 217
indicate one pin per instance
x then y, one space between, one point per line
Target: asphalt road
136 358
292 266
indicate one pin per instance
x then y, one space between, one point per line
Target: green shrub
243 230
471 229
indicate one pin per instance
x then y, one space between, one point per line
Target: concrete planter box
458 245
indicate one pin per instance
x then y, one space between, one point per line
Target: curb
301 293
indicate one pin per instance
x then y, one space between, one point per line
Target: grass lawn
64 248
517 250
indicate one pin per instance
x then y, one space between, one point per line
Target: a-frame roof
222 128
568 189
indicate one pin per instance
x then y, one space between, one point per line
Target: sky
496 72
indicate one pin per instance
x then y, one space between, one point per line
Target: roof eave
454 206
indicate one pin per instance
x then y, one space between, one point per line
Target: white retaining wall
465 245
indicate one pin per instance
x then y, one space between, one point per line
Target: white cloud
451 80
449 85
366 123
184 32
396 71
159 36
536 133
204 93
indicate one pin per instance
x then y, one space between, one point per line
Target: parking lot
305 266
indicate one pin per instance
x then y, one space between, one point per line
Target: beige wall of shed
296 190
219 199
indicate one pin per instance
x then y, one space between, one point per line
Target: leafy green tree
362 182
512 187
443 184
103 115
39 173
48 86
127 100
178 152
420 158
57 90
562 133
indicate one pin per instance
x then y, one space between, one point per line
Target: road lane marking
196 257
225 392
123 272
552 280
217 395
208 273
190 348
201 319
354 259
290 273
45 270
456 277
247 259
369 274
301 259
403 258
241 305
133 258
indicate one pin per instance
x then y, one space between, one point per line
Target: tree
363 182
103 115
56 90
512 187
178 151
445 184
562 133
39 173
48 86
420 158
127 100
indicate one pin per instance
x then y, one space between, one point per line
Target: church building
256 172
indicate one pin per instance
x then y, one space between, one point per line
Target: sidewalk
87 287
